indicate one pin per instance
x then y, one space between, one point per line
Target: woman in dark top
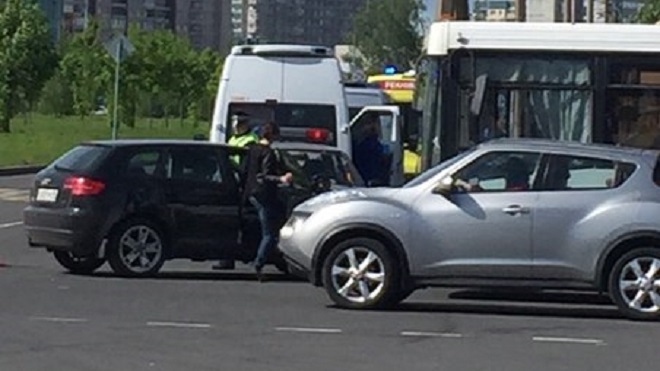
260 190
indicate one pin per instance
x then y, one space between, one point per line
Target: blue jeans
269 237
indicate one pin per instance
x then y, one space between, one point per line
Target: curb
20 170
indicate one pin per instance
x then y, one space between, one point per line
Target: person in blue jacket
369 154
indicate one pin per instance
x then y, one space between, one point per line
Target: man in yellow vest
242 137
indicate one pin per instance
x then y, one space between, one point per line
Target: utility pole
521 10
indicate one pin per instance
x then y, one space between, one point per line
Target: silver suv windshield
432 172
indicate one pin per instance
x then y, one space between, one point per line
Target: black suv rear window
81 158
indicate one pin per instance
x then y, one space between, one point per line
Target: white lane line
59 319
568 340
178 324
9 225
431 334
309 330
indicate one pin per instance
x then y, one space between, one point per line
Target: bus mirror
479 92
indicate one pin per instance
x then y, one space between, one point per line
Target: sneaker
260 276
226 264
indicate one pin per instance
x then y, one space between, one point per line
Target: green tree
27 57
389 32
650 12
56 97
87 66
206 67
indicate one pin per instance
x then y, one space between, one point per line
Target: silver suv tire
360 273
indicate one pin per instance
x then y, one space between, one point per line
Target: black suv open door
203 194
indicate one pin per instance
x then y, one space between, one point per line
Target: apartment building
207 23
243 20
320 22
495 10
53 11
558 10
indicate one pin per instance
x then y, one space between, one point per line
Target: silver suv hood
344 195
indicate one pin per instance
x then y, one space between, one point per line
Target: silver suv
509 213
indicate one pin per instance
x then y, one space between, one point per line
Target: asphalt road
192 318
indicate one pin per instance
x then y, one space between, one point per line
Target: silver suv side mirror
445 187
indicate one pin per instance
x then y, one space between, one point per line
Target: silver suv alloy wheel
635 284
360 273
639 284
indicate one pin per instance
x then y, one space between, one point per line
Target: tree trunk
181 115
151 113
5 115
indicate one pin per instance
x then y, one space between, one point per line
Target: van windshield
294 119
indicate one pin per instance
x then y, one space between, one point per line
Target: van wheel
360 273
136 248
78 264
634 284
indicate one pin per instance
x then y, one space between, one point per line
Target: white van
360 95
300 88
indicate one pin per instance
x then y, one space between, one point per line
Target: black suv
138 203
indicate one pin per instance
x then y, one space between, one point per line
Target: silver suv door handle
515 209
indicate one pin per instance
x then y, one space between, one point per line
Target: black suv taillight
83 186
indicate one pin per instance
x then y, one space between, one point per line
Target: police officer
242 137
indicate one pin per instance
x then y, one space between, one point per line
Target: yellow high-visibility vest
241 141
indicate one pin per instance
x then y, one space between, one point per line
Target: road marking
431 334
10 225
14 194
310 330
59 319
179 324
568 340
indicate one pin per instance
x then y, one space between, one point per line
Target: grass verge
39 139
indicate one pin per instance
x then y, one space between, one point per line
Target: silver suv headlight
294 223
334 197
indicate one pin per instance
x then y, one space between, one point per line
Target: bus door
384 121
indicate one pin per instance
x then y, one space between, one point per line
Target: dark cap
240 117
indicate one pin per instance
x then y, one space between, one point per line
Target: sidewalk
20 170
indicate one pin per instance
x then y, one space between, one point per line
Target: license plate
47 195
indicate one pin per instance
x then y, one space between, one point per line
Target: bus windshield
521 82
294 119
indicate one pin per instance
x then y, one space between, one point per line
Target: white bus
300 88
588 82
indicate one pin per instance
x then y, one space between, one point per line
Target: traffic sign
119 47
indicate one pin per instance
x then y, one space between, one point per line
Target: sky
430 8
